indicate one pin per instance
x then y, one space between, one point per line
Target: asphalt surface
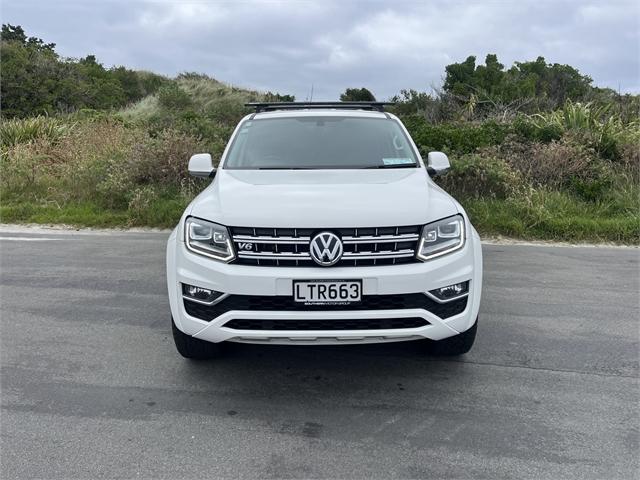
93 388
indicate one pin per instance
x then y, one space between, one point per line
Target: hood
322 198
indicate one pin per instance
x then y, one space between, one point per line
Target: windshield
320 143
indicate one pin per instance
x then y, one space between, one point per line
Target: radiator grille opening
289 247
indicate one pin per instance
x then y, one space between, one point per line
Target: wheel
194 348
456 345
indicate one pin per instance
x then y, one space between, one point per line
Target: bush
557 165
529 130
162 160
156 162
172 97
457 138
474 176
630 160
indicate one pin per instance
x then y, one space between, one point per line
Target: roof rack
271 106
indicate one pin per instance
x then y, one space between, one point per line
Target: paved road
92 386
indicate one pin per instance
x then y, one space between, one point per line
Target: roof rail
271 106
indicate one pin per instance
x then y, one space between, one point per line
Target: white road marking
29 239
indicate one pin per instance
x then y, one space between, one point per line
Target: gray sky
287 46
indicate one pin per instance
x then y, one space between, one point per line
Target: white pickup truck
322 225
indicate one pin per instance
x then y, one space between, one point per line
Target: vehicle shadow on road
335 369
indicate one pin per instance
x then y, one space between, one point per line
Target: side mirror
437 163
200 165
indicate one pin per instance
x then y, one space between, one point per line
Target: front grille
289 247
338 324
287 304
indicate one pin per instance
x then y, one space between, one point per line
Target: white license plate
327 292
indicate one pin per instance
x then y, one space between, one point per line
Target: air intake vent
346 324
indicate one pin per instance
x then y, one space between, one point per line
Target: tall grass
141 111
24 130
599 125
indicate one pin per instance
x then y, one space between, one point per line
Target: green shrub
545 132
172 97
162 160
474 176
212 135
564 164
592 189
457 138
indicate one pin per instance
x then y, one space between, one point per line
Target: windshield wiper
283 168
405 165
337 167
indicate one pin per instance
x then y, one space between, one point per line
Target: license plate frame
312 296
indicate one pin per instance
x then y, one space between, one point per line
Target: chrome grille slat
379 255
289 247
275 255
263 239
381 239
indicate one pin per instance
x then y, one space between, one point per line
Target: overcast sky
287 46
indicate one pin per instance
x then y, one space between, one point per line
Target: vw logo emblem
326 249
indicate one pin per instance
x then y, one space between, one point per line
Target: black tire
194 348
456 345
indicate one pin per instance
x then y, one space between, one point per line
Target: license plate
327 292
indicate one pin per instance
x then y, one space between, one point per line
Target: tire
456 345
194 348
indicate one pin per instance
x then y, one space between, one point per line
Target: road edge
61 229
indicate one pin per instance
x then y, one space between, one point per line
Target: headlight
441 237
209 239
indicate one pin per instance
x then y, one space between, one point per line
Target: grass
79 214
163 213
555 216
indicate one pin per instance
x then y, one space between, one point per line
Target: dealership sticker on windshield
397 161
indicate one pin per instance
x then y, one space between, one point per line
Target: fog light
199 294
451 292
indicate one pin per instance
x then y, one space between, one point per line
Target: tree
35 80
15 33
555 82
460 77
535 83
357 95
28 68
409 102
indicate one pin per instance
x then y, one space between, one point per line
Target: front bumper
237 315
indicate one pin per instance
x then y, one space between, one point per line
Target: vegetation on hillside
37 81
536 150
